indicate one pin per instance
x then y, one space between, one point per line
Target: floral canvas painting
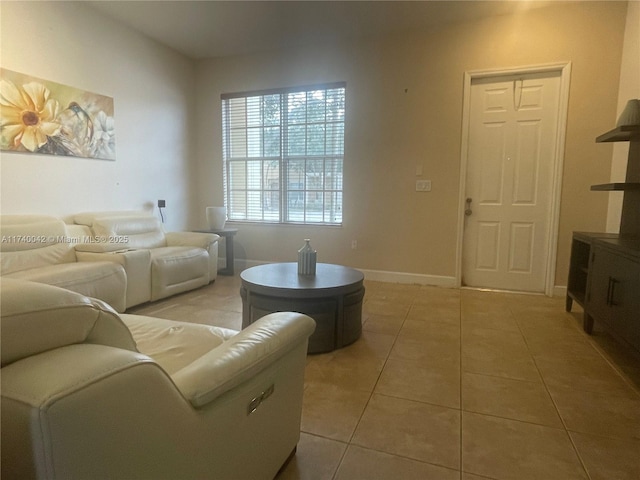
45 117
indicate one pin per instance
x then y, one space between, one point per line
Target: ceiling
205 29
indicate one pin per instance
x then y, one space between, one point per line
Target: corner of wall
629 88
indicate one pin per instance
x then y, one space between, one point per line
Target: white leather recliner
90 394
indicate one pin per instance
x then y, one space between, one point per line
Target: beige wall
629 88
404 100
152 88
404 109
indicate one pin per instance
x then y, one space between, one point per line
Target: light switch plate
423 185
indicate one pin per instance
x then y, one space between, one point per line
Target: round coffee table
332 297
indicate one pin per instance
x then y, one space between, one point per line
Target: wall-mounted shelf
630 216
614 187
620 134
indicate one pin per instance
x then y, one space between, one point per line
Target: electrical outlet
423 185
162 204
354 244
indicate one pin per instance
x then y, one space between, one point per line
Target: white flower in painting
28 115
104 136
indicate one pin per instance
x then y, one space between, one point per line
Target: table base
338 317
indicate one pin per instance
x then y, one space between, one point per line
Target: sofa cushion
104 280
87 218
143 231
178 264
174 345
38 317
49 255
32 241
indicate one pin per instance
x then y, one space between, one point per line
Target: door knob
468 210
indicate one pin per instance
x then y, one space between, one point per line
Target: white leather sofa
90 394
38 248
176 261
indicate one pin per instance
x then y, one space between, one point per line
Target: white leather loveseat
90 394
39 248
158 263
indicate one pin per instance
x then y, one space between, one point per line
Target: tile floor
456 384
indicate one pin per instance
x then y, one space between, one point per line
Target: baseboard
560 291
396 277
243 264
376 275
409 278
240 264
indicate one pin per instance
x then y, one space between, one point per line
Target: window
283 155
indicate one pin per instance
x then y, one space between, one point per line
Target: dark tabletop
274 277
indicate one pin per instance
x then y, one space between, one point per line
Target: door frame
564 68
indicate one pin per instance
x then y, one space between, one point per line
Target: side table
228 234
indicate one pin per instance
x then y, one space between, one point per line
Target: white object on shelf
216 217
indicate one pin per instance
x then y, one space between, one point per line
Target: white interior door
513 128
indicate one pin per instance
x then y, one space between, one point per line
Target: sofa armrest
191 239
136 264
243 356
41 379
49 399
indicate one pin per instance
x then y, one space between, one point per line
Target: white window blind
283 154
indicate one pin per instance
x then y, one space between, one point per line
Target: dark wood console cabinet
604 272
604 278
